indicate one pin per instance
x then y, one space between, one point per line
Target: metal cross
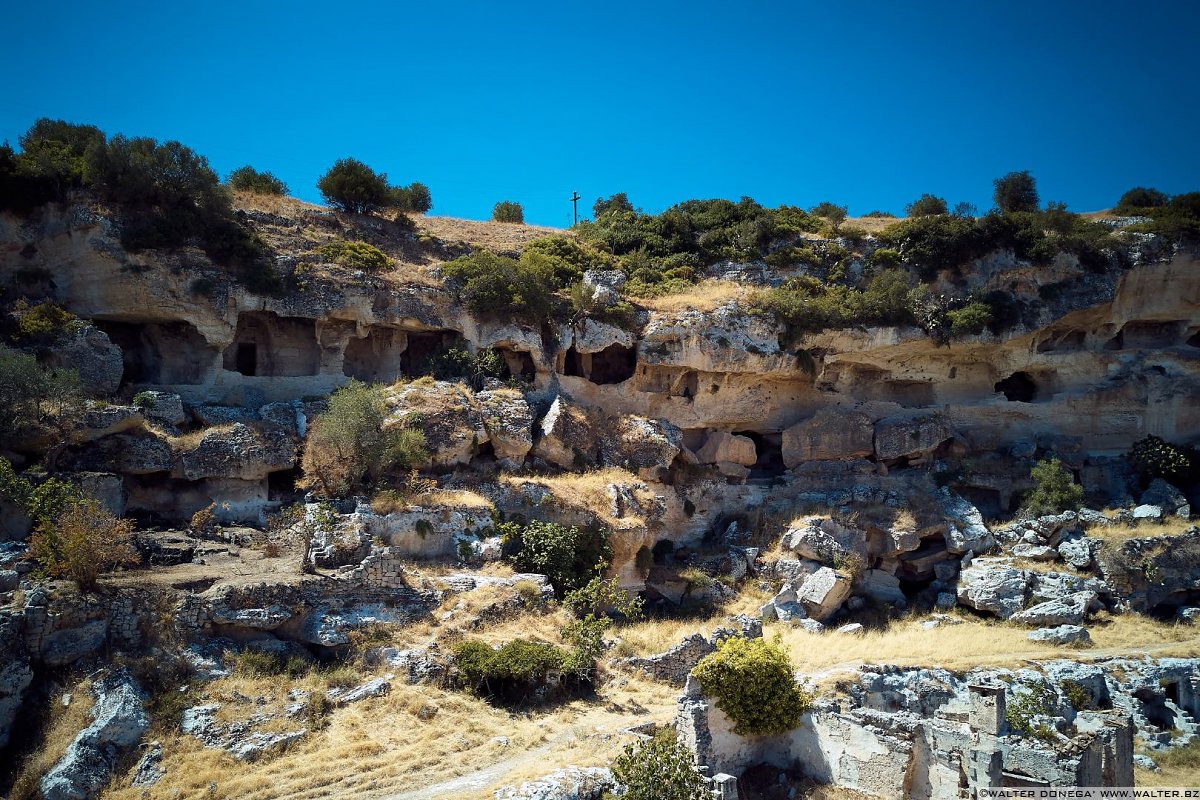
575 198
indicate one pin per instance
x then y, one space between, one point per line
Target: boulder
1061 635
118 722
909 436
508 420
722 446
1167 497
1147 512
104 419
1035 552
882 587
1077 550
853 629
830 434
244 451
162 406
566 437
1064 611
966 532
568 783
809 540
823 593
993 587
93 356
646 446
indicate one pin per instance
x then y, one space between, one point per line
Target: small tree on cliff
84 541
351 442
350 185
1016 191
1056 490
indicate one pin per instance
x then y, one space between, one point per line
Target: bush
1055 490
1016 191
806 305
356 255
84 541
593 606
508 211
349 442
926 205
754 684
659 769
248 179
566 258
44 323
515 673
568 557
831 211
1138 199
33 397
350 185
504 287
1031 700
878 213
971 319
1153 458
457 363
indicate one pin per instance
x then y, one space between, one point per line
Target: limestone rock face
647 446
829 435
882 586
566 437
118 722
100 420
823 593
909 435
93 356
1062 611
508 420
722 446
994 587
1061 635
966 531
71 644
163 406
15 674
242 451
728 339
448 414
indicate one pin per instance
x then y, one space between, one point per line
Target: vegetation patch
753 682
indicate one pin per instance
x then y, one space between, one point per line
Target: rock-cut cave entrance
268 345
162 353
1018 388
769 450
614 364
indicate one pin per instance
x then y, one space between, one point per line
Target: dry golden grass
189 440
587 491
63 725
976 643
461 498
704 296
1177 767
272 204
495 236
1120 533
413 737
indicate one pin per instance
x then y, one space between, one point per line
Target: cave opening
1194 340
614 364
376 357
768 448
519 363
987 500
1018 388
268 345
162 353
573 363
423 347
281 485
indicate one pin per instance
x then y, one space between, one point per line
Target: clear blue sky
867 104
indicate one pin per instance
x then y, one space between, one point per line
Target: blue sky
867 104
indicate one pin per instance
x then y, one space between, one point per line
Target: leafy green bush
455 363
832 212
1016 191
806 305
1138 199
515 673
659 769
1032 699
508 211
504 287
926 205
878 213
568 557
1154 457
44 322
1055 490
971 319
753 682
350 185
356 255
566 258
33 397
248 179
349 442
1077 695
414 198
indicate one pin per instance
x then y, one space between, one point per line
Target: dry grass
190 440
63 725
704 296
588 491
1119 533
976 643
272 204
459 498
503 237
1177 767
415 736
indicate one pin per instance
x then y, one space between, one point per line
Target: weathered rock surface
823 593
828 435
508 420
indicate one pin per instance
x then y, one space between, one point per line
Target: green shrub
34 398
753 682
508 211
248 179
568 557
659 769
144 400
414 198
1055 490
878 213
926 205
45 322
1077 695
971 319
497 286
1032 699
1138 199
349 442
265 664
515 673
356 255
1016 191
806 304
1153 458
566 258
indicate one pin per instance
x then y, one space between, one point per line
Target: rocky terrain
856 493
